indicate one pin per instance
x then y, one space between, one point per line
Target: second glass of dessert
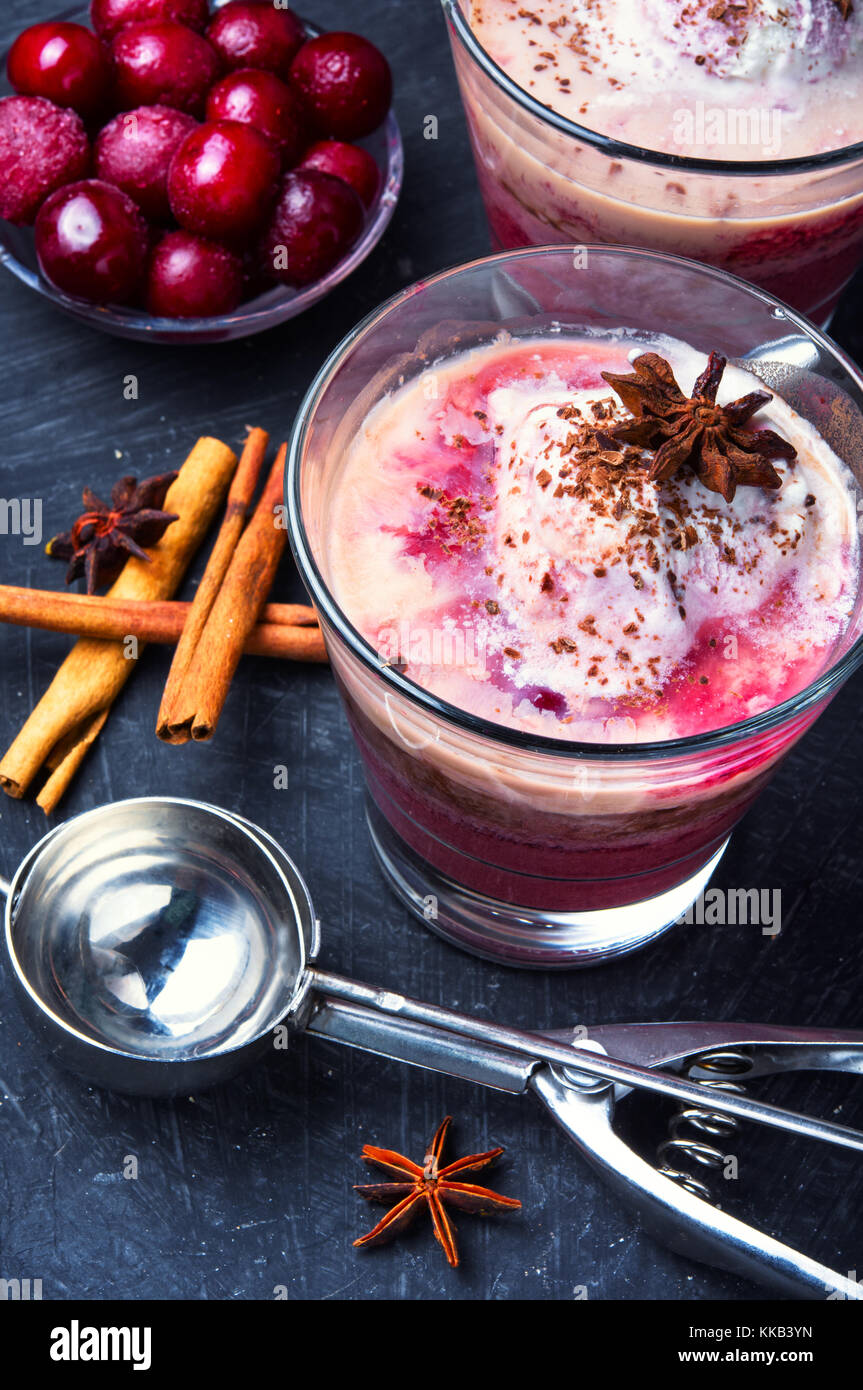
728 132
582 530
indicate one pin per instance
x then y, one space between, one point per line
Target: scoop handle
581 1060
419 1045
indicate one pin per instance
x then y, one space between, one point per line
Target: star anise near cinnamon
103 538
430 1186
712 439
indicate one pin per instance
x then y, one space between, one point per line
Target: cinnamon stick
236 513
64 766
74 707
286 630
232 618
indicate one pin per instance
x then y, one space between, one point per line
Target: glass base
524 936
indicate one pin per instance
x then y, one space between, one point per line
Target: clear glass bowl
794 226
18 255
531 850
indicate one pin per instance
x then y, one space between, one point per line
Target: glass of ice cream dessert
582 530
730 131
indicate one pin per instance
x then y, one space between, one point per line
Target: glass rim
620 149
830 680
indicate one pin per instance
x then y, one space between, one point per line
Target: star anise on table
712 439
432 1186
103 538
845 8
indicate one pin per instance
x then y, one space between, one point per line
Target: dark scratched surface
248 1188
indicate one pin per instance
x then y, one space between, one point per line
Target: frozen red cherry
261 99
347 162
41 148
256 36
345 82
135 150
64 63
315 219
108 17
222 180
191 277
162 64
92 241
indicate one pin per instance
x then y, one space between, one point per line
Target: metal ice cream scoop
156 944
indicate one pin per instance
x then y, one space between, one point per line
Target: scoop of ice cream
759 40
626 66
751 40
642 564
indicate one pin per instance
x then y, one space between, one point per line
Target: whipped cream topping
645 563
603 62
520 565
763 41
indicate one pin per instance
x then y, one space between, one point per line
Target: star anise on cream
845 8
712 439
432 1186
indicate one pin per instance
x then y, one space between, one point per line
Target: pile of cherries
183 161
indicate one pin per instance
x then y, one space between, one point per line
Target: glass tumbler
792 226
526 849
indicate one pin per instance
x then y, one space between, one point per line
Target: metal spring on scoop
724 1064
